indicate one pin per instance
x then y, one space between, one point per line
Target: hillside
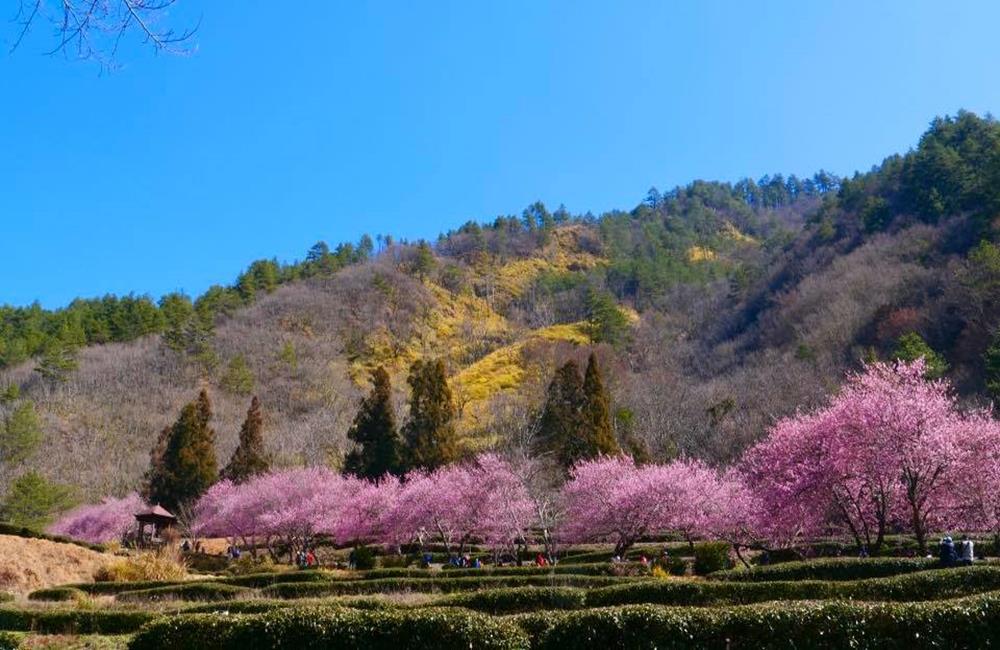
716 308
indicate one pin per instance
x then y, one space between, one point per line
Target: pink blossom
103 522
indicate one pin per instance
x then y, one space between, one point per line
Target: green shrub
830 569
73 621
395 561
208 591
970 623
930 585
112 588
593 569
6 597
57 594
710 557
239 607
259 580
10 640
14 530
430 585
519 599
364 558
315 628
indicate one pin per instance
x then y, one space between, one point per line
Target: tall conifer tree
250 458
599 434
374 431
563 418
186 467
430 437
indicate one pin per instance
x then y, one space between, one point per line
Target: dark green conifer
563 420
183 463
374 432
429 434
250 459
598 433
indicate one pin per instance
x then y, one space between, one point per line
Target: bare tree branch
95 29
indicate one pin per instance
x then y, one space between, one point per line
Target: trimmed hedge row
57 594
519 599
30 533
262 606
835 568
592 569
428 585
71 621
10 640
6 597
315 628
114 588
259 580
970 623
935 585
207 591
964 623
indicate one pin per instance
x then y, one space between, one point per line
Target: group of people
306 559
961 554
465 562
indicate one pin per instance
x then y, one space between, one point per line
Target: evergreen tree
32 500
563 419
599 437
424 262
374 432
429 433
183 463
912 346
250 458
20 434
605 321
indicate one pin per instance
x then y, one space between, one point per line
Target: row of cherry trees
891 452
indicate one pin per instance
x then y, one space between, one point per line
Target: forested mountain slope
715 308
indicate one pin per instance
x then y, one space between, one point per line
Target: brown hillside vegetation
29 564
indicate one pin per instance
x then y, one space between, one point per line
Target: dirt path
29 564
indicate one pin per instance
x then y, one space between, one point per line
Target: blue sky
410 118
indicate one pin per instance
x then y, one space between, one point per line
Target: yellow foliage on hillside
729 231
503 370
700 254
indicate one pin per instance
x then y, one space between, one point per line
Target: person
476 564
966 552
947 551
864 551
186 546
352 560
310 558
644 560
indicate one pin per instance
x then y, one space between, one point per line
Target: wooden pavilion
151 525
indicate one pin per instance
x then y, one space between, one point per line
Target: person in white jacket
966 552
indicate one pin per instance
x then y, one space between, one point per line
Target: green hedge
430 585
113 588
315 628
56 594
519 599
10 640
29 533
259 580
71 621
829 569
931 585
970 623
208 591
592 569
6 597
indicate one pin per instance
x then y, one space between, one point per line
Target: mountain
715 308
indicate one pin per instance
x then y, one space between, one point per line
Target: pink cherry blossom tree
107 521
882 453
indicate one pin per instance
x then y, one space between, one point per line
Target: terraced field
832 603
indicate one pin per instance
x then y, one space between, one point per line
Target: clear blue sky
410 118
